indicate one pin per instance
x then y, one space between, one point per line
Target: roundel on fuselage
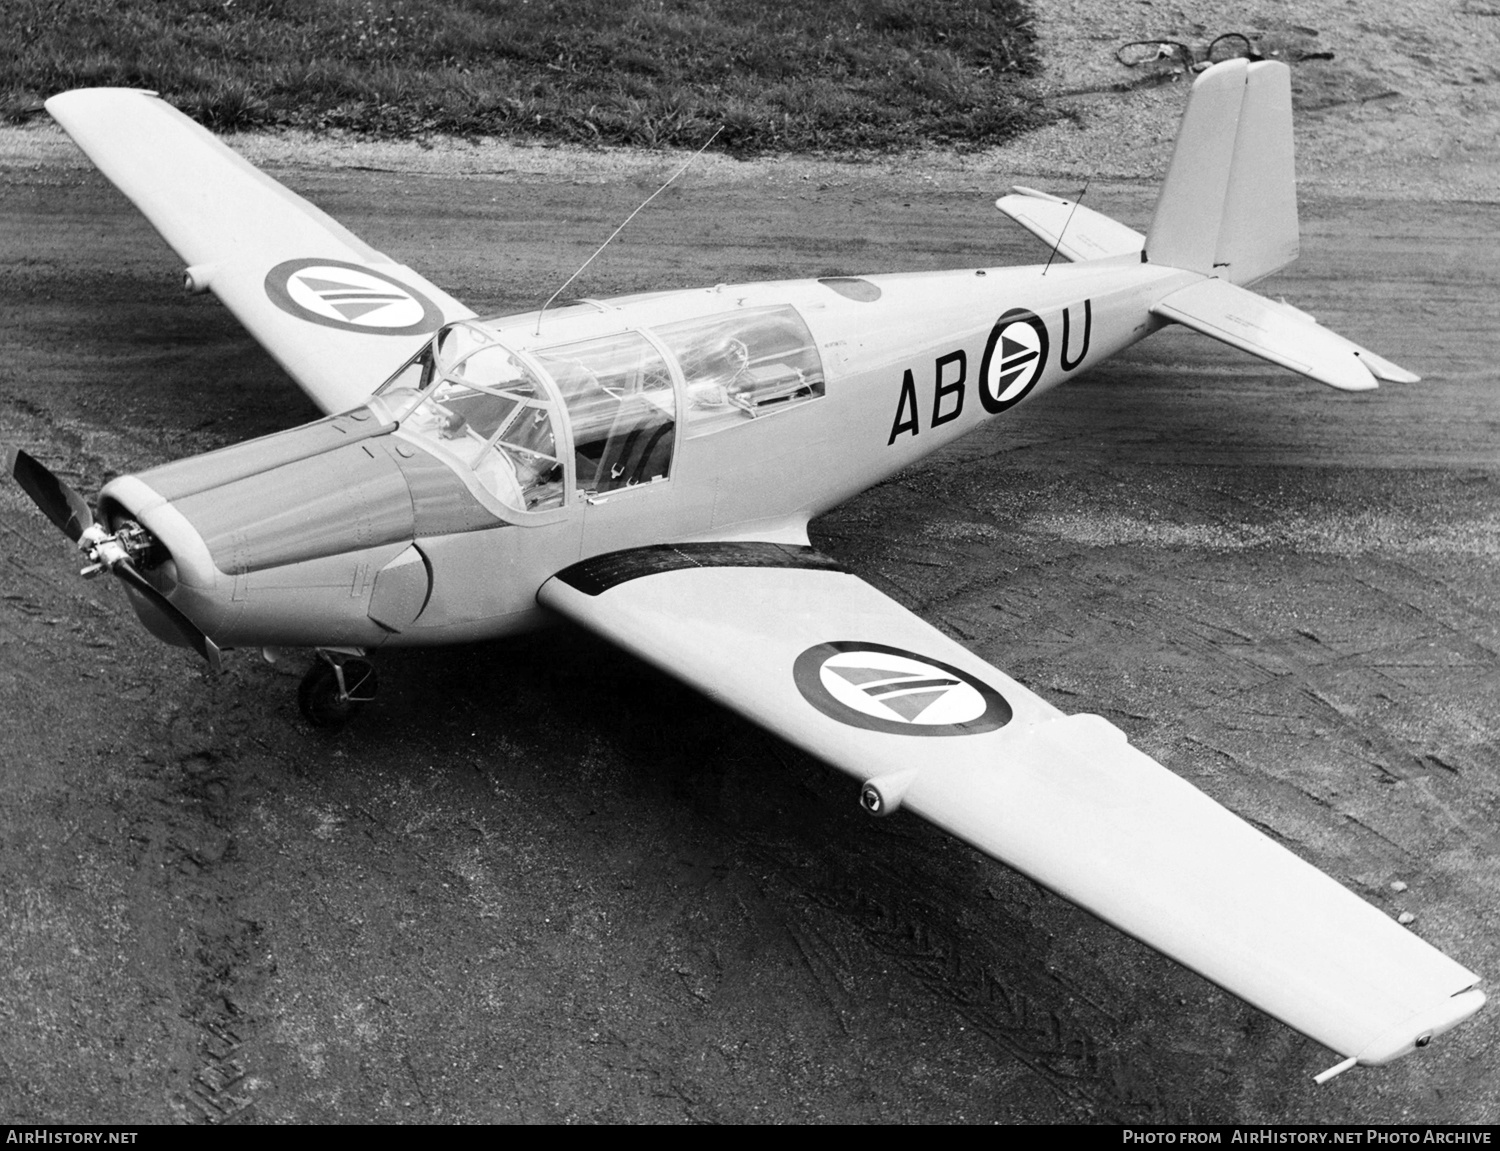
1014 359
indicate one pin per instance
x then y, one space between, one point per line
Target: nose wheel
335 688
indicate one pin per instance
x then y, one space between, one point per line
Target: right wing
339 316
788 639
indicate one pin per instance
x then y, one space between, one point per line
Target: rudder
1228 207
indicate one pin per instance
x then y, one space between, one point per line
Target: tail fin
1227 211
1228 207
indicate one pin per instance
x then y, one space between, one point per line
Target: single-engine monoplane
647 467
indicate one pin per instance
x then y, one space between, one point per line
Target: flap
1279 333
1086 234
786 638
336 314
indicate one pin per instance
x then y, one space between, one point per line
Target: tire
319 697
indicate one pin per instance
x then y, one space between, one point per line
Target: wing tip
61 104
1421 1028
1414 1032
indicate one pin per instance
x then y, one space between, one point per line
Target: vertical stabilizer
1184 230
1258 234
1228 207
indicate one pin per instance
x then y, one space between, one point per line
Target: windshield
473 399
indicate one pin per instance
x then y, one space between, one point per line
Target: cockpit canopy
622 409
481 404
499 413
746 363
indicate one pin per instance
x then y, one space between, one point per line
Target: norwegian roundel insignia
350 297
886 689
1014 359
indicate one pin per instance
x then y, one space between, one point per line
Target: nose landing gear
335 688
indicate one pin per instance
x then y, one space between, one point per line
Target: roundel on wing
350 297
1014 359
888 689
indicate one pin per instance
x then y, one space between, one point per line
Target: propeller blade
59 503
67 509
185 627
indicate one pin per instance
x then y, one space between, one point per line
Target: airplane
647 467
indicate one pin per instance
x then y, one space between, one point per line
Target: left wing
336 314
785 637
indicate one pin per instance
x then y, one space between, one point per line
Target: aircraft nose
116 544
331 503
305 538
183 557
176 564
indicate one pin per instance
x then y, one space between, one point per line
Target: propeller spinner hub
130 542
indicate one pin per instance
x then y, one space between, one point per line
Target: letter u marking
1068 364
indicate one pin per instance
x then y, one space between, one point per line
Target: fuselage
435 511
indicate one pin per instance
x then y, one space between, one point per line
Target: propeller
185 627
106 553
59 503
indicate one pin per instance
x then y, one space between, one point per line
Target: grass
794 75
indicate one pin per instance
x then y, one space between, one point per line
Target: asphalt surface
538 882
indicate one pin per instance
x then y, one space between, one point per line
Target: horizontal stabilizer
1085 234
1279 333
1380 368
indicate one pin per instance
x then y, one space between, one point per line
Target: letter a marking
908 402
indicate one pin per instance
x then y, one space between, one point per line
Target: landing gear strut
335 688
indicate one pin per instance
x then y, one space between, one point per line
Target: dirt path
538 882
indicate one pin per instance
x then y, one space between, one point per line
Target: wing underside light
338 315
792 642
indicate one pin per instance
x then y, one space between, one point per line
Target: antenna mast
621 228
1066 222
